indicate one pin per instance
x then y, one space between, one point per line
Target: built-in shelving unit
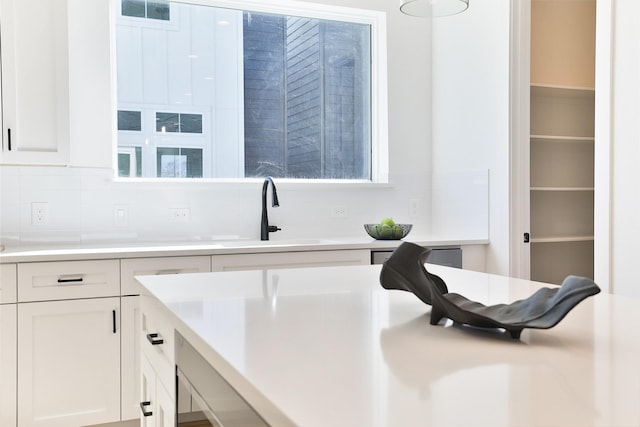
562 186
562 139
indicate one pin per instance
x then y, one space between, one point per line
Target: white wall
617 213
471 113
83 198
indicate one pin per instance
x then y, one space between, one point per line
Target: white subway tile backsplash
81 205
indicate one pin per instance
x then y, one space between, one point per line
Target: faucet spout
265 228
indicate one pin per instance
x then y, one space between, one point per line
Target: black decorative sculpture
405 270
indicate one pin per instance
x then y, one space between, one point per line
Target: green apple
387 221
385 231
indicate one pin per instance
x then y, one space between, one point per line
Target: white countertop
69 252
330 347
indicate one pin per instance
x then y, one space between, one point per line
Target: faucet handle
273 228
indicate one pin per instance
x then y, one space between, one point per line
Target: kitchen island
330 346
79 283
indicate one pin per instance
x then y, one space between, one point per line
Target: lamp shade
433 8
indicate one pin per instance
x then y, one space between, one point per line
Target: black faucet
265 228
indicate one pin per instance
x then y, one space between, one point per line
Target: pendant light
433 8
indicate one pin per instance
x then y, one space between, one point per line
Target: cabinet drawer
150 266
235 262
40 281
157 339
8 283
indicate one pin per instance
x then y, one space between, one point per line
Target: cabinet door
290 259
69 362
147 404
8 342
130 318
165 407
35 82
157 406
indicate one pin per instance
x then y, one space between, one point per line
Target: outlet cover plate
180 215
339 212
39 213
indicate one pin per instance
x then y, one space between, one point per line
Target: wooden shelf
563 138
542 87
562 189
562 239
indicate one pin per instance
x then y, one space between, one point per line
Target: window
150 9
129 161
179 162
246 93
129 120
180 123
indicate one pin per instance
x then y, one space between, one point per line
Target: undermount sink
259 243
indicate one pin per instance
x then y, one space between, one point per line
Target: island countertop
330 346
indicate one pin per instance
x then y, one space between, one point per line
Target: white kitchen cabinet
157 368
8 283
42 281
157 406
147 393
8 364
274 260
69 362
132 368
162 265
35 82
131 320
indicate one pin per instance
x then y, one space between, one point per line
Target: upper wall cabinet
35 82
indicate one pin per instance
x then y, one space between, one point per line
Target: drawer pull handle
70 280
166 272
9 139
154 340
142 406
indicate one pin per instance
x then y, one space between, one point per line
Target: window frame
171 23
379 95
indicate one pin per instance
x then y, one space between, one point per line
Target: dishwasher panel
449 256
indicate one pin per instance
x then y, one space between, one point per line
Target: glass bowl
388 232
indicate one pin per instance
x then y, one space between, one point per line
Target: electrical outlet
414 206
39 213
339 212
120 215
180 215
